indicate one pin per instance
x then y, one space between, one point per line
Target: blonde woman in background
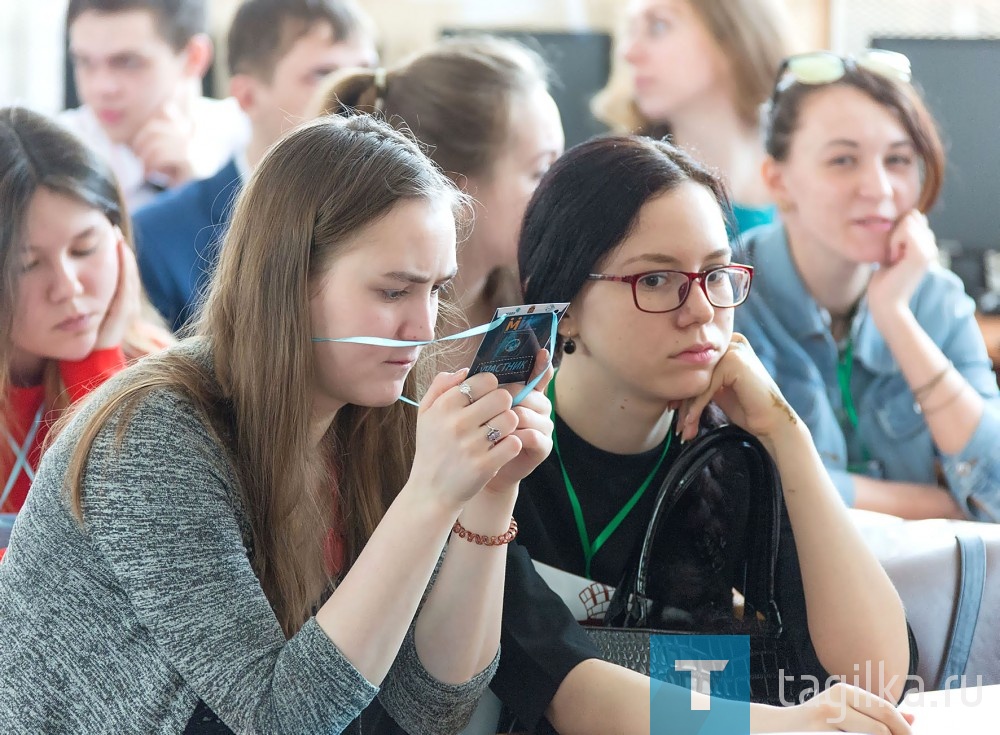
482 107
698 71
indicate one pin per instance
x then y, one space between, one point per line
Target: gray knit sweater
123 626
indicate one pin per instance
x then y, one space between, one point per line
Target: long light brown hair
37 153
309 196
754 37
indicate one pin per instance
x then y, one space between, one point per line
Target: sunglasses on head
826 67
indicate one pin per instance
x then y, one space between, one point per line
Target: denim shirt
790 333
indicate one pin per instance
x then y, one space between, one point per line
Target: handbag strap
762 526
972 583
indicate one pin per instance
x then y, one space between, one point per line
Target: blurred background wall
954 46
32 35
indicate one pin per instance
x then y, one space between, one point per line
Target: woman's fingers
853 709
461 445
458 390
542 363
500 426
442 383
124 304
504 452
690 417
536 402
692 408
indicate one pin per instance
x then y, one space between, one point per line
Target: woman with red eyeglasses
874 344
632 233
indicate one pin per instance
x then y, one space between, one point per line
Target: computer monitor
960 80
580 64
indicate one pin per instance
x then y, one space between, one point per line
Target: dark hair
262 31
583 209
177 21
782 116
588 203
456 97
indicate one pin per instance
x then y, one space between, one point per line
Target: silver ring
492 435
466 390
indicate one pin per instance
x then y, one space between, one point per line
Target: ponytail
354 91
457 98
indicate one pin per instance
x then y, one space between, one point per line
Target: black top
539 645
604 483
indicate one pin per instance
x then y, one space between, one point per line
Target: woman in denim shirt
875 346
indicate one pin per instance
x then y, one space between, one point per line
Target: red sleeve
83 376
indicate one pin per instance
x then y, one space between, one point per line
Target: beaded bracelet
475 538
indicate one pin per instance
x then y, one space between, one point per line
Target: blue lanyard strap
21 463
481 329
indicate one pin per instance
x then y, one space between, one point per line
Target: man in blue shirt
278 52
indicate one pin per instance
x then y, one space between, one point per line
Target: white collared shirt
221 130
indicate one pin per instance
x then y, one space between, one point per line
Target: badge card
509 350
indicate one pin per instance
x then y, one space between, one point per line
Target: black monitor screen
960 79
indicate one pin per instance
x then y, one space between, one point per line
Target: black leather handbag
636 610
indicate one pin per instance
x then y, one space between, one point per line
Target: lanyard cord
481 329
590 549
21 463
845 368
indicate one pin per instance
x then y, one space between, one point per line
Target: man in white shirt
138 66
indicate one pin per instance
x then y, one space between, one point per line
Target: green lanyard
590 549
845 367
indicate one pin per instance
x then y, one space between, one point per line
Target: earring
569 346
